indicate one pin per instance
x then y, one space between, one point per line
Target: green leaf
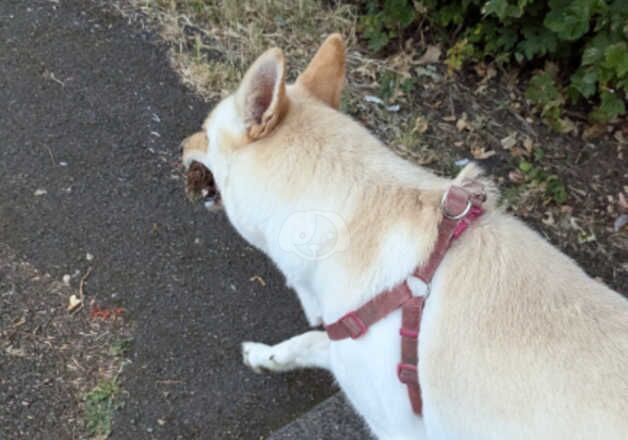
555 188
497 7
538 41
542 89
610 107
616 58
525 166
398 13
594 52
569 22
584 81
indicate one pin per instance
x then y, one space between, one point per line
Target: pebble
66 279
40 192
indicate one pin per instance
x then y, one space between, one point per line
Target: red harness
460 206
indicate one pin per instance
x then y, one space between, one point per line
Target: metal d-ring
464 212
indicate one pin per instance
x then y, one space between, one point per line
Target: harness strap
460 206
355 323
407 369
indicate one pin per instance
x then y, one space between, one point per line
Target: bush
582 43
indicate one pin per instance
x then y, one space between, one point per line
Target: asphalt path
91 116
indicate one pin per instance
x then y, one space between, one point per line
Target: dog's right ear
261 98
324 77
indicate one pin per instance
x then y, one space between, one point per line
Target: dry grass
213 42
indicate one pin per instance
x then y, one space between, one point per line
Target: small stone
63 163
66 279
40 192
161 422
89 257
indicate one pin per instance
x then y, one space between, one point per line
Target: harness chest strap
460 206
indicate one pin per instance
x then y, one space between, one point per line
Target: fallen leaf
17 352
431 55
422 71
593 131
481 153
259 279
509 141
105 313
74 303
421 125
516 176
463 124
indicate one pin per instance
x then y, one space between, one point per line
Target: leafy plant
386 20
587 40
553 188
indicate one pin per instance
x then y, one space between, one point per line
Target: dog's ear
261 98
324 77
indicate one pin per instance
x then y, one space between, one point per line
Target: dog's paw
257 356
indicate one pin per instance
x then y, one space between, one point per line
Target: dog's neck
383 234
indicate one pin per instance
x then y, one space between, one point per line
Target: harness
460 206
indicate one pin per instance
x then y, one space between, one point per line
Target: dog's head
252 115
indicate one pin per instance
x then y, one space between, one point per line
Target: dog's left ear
324 77
261 98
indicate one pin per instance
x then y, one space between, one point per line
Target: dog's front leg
307 350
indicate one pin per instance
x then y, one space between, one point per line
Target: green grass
99 407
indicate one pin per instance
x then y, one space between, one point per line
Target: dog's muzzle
200 184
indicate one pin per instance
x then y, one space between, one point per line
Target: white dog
516 341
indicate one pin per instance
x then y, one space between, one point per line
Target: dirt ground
50 359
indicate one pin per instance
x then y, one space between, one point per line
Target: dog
516 341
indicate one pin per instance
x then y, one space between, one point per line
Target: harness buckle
352 322
407 373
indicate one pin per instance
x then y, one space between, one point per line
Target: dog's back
535 348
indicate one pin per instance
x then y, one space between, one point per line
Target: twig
52 156
82 284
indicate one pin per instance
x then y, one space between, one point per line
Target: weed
99 407
550 184
121 347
